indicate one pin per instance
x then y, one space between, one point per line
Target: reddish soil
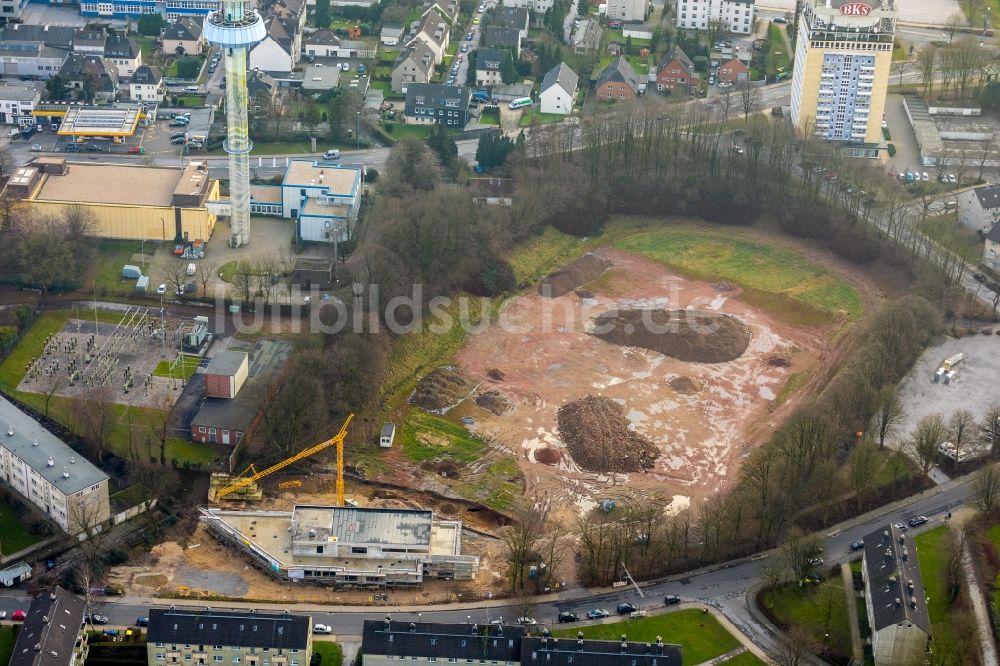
702 417
574 274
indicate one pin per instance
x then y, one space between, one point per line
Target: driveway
907 154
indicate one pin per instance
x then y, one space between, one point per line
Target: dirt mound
548 456
684 385
778 362
442 389
724 286
496 374
574 274
597 435
584 294
687 335
494 401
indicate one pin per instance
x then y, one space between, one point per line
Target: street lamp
357 131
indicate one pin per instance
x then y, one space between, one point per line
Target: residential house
414 64
489 66
434 33
53 632
146 84
49 474
537 6
16 104
183 35
323 43
618 81
437 103
895 599
979 208
123 53
492 191
446 9
633 11
291 10
676 72
12 9
185 635
319 79
89 40
279 50
733 71
736 15
499 37
991 252
512 17
261 84
559 88
92 75
384 642
391 35
586 38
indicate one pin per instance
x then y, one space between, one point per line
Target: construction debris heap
597 434
687 335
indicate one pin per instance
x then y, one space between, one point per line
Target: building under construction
347 547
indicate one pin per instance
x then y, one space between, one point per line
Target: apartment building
843 57
209 637
736 15
49 474
53 632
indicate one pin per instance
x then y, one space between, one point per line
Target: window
159 645
217 658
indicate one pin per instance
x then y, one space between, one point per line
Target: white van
332 154
191 89
520 103
11 133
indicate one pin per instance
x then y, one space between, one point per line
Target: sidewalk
987 646
857 651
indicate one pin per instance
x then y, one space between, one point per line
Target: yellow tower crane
250 474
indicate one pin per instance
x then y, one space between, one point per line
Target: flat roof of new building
101 121
265 193
320 78
346 524
226 363
25 437
339 180
317 208
122 184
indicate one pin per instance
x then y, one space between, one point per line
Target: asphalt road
723 586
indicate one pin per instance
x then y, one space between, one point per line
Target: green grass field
776 280
331 652
401 131
106 267
14 536
426 436
819 610
530 115
700 636
778 57
184 369
8 634
931 558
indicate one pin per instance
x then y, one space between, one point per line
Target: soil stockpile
684 384
493 401
596 433
442 389
687 335
573 275
548 456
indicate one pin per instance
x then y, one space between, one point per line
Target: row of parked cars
600 613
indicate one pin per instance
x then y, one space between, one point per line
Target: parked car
178 135
97 619
475 21
361 69
136 150
345 66
142 621
527 621
3 614
597 614
901 527
565 616
93 148
161 290
18 615
322 629
857 545
178 122
464 48
36 147
952 179
468 36
779 19
72 148
625 608
671 599
451 80
916 521
816 562
178 141
979 277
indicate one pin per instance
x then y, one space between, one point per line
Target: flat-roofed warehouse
135 202
348 547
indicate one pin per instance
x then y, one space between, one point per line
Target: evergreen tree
442 144
150 25
56 88
322 13
508 72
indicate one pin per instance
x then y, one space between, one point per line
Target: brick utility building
53 632
225 374
49 474
895 599
386 641
208 637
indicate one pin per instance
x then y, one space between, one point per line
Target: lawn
931 558
184 370
189 100
700 635
640 65
775 279
778 56
331 653
426 436
820 610
530 114
408 131
8 634
106 267
14 536
490 118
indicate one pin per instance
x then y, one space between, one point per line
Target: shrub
891 149
316 659
371 175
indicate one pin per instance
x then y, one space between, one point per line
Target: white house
434 32
559 89
280 48
16 104
737 15
146 85
979 208
489 66
991 253
123 53
627 10
538 6
391 35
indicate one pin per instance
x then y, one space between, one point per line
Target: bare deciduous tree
888 414
960 429
986 488
925 440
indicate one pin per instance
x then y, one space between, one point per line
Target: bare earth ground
701 432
